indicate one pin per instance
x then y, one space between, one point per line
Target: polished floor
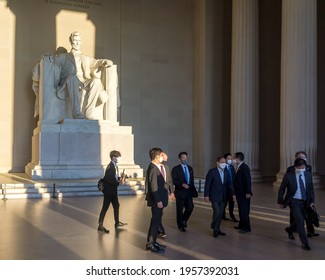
65 229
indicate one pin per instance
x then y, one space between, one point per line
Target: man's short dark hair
182 153
239 155
299 162
114 153
300 152
219 158
154 152
226 155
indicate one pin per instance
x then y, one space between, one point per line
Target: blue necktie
186 175
302 188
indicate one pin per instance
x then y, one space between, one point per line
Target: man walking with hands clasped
183 180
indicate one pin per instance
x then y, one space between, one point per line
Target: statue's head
75 40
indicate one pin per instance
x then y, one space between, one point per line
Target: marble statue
79 80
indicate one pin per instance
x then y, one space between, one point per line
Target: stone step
16 190
64 189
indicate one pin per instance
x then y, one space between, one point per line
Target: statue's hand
107 63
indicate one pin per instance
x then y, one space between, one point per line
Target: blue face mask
184 161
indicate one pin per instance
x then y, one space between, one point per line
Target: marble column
244 83
298 122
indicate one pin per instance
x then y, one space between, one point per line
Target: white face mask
161 159
229 161
223 165
234 161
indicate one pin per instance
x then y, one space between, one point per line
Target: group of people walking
230 180
226 183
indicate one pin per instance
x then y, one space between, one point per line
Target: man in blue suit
183 179
217 185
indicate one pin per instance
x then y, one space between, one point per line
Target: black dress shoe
290 234
226 219
221 233
183 229
234 220
310 235
243 230
160 246
102 229
305 247
120 224
237 227
152 248
215 234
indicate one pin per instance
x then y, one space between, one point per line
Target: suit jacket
214 188
110 181
292 169
179 179
68 67
243 181
156 187
289 187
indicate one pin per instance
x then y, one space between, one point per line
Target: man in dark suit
183 180
157 197
217 186
230 201
171 190
297 191
243 192
291 169
111 182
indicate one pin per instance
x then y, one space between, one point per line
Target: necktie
116 172
302 188
162 171
186 174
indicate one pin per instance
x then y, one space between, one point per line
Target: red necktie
162 171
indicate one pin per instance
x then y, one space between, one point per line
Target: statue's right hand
107 62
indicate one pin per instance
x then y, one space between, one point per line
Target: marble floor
66 229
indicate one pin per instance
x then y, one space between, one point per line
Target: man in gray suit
297 191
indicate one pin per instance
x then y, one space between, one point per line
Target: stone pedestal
79 149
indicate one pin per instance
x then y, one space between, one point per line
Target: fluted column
298 122
244 83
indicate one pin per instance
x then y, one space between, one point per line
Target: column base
256 176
